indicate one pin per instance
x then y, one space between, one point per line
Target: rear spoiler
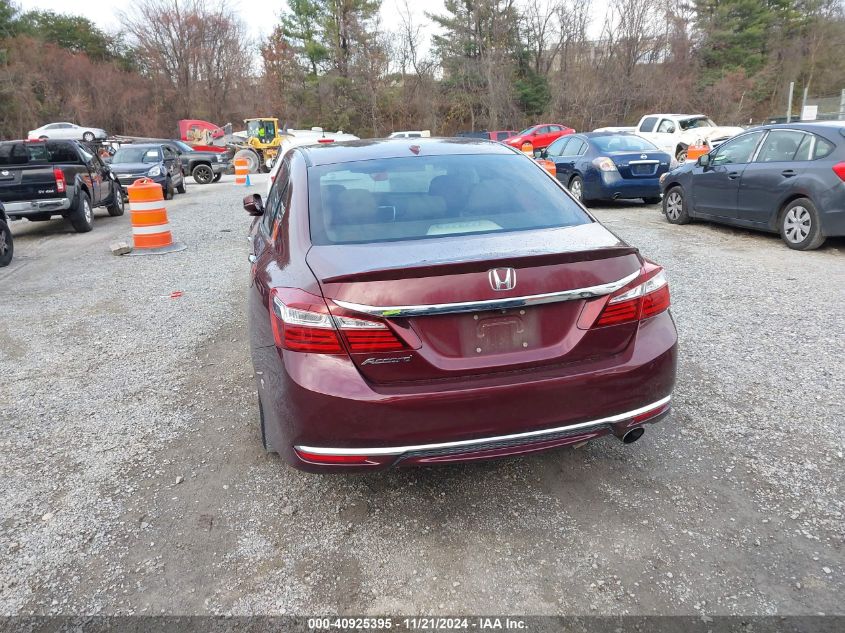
459 267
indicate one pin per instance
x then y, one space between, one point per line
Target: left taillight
303 323
59 175
648 298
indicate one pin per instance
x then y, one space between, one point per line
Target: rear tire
800 226
88 137
203 174
116 207
168 190
576 188
181 187
7 246
82 216
675 206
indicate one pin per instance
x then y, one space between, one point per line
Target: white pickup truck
673 133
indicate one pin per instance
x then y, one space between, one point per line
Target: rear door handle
733 175
787 173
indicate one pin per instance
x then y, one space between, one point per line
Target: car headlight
154 171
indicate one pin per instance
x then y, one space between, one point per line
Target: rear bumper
613 186
26 208
322 405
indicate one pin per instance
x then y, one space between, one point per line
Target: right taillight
303 323
839 170
647 299
59 175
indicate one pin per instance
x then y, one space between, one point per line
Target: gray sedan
787 178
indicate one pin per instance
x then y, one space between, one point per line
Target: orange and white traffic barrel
241 171
150 226
527 149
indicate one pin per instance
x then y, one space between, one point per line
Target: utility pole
789 102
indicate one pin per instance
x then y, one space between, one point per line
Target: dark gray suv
787 178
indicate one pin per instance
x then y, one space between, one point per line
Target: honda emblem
502 278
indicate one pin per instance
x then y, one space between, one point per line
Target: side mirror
253 205
703 160
544 153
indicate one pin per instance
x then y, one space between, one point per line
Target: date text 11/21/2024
420 623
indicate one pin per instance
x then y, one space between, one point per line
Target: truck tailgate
28 183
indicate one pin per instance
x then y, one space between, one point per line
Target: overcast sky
260 15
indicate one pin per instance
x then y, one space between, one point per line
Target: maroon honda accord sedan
445 300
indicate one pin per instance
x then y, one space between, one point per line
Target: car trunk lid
647 164
437 296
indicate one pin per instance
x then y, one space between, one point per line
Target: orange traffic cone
150 226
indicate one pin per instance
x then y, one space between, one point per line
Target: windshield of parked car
696 122
430 197
622 143
526 131
135 155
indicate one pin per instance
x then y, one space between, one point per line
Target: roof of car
370 149
809 126
153 144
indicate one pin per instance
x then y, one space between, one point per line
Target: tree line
492 64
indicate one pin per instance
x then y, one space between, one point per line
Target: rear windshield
26 153
622 143
433 196
136 155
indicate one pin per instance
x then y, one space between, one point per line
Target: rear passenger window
823 147
780 146
575 147
648 124
803 152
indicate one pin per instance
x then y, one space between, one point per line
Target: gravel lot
134 481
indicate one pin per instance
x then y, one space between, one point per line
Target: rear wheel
181 187
82 217
203 174
576 188
681 155
800 227
7 248
88 137
168 190
116 207
675 206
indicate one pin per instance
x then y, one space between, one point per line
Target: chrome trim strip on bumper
399 450
490 304
51 204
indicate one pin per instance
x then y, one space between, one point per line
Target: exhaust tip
633 435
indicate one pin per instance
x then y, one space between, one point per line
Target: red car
540 136
411 305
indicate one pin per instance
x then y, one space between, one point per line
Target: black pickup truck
42 179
